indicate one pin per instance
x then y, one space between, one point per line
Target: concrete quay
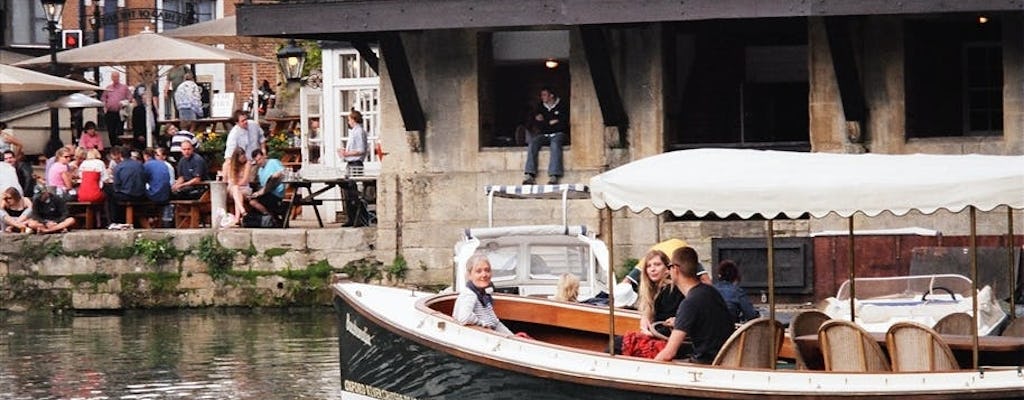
112 270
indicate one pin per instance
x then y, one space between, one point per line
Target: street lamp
53 10
291 58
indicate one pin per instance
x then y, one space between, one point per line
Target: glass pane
348 66
503 263
367 71
549 262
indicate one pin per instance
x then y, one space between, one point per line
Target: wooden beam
844 63
368 55
595 47
295 19
401 80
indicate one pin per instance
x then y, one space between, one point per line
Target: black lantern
291 58
53 10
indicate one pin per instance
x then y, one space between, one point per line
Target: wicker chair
849 348
1016 328
915 347
749 346
955 324
807 323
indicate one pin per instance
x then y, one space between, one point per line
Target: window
30 28
205 10
513 67
953 77
737 84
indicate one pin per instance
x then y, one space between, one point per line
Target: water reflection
195 354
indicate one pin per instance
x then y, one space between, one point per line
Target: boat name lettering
374 392
356 331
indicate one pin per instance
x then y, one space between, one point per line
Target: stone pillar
218 201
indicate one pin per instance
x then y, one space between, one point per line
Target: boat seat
807 323
915 347
750 346
849 348
955 324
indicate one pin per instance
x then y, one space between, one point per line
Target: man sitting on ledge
553 117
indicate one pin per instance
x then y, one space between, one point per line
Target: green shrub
218 258
364 269
155 252
624 269
398 269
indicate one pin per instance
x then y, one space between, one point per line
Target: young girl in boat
568 288
659 298
475 306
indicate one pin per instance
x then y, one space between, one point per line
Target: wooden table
201 124
992 350
315 198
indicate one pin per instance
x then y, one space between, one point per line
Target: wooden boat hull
398 344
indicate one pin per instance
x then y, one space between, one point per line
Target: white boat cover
572 191
770 183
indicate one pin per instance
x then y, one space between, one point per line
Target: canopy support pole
1009 263
606 231
974 283
490 208
771 287
853 269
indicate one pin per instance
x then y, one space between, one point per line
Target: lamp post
53 10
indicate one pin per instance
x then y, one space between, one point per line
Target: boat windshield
903 287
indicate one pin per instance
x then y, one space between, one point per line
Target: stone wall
168 269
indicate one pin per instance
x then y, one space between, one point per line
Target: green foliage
274 252
159 282
155 252
398 269
364 269
218 258
624 269
251 251
116 252
33 252
93 279
314 56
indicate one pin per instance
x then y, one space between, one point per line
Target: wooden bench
191 213
84 213
146 209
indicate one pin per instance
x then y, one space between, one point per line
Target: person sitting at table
91 177
237 174
60 175
268 198
177 137
129 185
16 210
191 171
90 138
49 214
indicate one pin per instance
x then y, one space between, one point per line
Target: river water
181 354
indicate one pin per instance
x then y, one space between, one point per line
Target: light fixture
982 19
53 10
551 63
291 58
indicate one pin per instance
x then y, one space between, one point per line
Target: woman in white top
475 306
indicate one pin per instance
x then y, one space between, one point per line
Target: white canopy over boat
769 183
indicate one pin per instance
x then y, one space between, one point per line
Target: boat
925 299
397 343
529 259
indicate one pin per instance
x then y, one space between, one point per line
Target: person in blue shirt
728 284
158 178
129 185
267 199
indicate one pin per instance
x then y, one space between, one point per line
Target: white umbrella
76 100
145 49
14 79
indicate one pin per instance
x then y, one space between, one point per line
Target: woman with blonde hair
568 288
236 173
659 298
475 306
15 210
91 176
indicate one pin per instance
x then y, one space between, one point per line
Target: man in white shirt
244 135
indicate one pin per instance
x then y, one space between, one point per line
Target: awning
770 183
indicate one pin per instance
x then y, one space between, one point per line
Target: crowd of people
683 315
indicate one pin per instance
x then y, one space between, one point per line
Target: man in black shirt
191 172
49 214
129 186
553 118
702 317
